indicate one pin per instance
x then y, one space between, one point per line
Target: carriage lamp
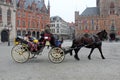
8 28
46 37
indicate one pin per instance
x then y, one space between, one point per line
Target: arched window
33 24
23 33
0 15
28 24
112 5
9 16
9 1
29 32
18 33
23 23
33 33
97 27
18 23
112 11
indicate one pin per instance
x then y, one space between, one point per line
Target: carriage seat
19 39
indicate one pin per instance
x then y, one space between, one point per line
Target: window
8 1
112 11
52 30
18 33
104 23
33 24
38 24
57 30
23 23
21 4
18 23
23 14
92 24
0 15
29 15
18 14
28 24
57 25
86 27
9 16
2 0
23 33
80 27
97 27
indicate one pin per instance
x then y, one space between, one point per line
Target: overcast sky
66 8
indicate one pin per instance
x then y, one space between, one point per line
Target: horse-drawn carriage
23 50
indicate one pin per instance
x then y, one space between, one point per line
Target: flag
92 24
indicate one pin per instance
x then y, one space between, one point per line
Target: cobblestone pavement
41 68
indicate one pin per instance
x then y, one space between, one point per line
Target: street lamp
8 28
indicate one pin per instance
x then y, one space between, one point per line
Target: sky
66 8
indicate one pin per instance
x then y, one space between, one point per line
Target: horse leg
71 49
89 56
71 52
76 54
100 49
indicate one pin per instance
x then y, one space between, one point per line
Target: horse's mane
101 32
78 36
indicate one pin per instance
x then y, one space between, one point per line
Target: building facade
7 20
106 15
59 27
72 30
31 17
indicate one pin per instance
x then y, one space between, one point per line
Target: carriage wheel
56 55
20 53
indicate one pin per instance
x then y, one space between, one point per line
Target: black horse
88 41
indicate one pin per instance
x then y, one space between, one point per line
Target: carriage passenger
31 42
27 37
58 42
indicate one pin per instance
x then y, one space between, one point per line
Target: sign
86 31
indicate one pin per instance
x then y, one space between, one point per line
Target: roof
55 18
39 3
90 11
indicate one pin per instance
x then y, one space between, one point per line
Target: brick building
106 15
32 16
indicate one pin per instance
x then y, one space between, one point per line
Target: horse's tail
71 48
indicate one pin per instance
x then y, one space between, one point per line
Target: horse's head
103 35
